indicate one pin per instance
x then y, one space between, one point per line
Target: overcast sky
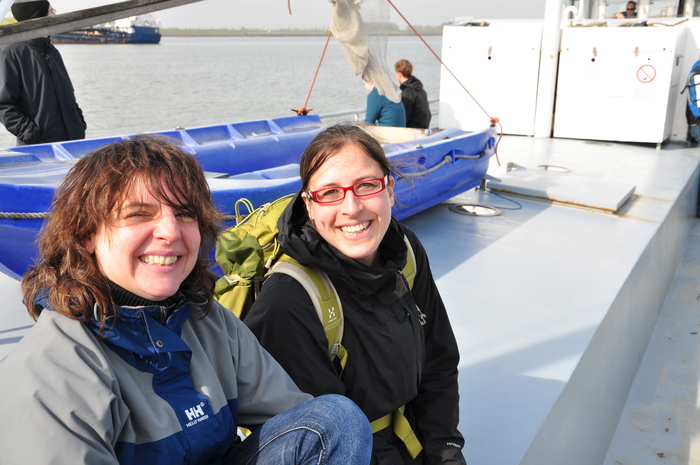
274 14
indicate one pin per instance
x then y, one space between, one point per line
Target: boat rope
471 157
596 24
23 216
44 215
668 25
440 60
631 24
445 160
303 110
493 121
644 23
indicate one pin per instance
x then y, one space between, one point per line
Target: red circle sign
646 74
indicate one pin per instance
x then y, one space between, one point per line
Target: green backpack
249 252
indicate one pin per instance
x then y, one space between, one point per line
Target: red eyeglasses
361 189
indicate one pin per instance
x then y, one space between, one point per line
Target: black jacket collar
301 241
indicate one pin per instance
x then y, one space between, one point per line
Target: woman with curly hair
131 361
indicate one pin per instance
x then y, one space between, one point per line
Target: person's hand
618 16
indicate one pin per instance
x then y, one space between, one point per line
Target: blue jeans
329 429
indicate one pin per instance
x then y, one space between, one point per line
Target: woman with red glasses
402 354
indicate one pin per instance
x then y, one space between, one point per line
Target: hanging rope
303 110
493 121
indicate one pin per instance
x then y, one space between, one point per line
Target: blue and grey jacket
148 391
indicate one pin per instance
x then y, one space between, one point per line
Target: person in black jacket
401 348
37 101
413 96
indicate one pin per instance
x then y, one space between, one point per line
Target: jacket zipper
421 315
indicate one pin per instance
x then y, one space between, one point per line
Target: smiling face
147 247
355 225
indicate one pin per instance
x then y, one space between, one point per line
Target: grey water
201 81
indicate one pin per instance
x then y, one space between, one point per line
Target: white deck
553 307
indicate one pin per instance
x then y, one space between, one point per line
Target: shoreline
273 33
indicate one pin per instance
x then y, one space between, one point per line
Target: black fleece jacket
393 360
415 102
37 102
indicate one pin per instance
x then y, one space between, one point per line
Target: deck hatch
564 187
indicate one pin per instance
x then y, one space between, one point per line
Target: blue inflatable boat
257 160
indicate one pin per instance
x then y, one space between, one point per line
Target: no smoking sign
646 74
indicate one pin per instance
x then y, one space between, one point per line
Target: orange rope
493 121
303 110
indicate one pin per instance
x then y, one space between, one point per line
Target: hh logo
195 415
331 314
195 412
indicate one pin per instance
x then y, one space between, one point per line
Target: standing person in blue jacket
131 360
37 102
413 96
382 111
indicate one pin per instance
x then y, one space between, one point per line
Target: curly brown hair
94 188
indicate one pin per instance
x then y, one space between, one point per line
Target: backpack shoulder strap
324 298
409 271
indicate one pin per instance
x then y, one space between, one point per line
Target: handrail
357 113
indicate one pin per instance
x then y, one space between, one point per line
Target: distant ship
134 30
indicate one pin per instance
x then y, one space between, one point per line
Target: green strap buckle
402 429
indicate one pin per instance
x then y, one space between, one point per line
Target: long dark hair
92 190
